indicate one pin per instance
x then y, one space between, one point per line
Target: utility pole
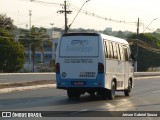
138 27
52 30
65 11
53 44
30 14
137 46
65 16
30 55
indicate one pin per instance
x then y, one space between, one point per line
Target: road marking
156 91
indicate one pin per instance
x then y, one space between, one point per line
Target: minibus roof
107 37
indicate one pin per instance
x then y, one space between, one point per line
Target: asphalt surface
145 97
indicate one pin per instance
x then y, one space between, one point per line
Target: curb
139 78
7 90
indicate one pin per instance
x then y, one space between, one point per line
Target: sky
99 14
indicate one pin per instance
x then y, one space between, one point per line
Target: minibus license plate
78 83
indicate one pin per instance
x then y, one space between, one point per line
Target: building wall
49 53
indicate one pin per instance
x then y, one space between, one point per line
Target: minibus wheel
127 92
70 93
77 95
111 93
104 94
92 93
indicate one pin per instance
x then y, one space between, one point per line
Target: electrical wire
92 14
107 19
44 3
100 17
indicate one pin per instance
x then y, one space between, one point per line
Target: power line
86 13
44 2
100 17
106 18
77 14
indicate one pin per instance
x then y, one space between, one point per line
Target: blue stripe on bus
98 82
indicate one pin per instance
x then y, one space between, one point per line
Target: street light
52 29
53 44
137 43
77 14
150 24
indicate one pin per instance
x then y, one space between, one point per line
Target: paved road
145 97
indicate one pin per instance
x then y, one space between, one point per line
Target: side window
126 57
111 50
108 49
118 51
115 51
121 52
105 49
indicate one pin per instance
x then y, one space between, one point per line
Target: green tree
6 22
12 56
35 37
146 58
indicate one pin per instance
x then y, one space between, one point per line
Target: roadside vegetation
148 51
12 57
12 47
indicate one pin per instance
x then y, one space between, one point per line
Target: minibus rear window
79 46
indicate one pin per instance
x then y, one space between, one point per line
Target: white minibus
94 63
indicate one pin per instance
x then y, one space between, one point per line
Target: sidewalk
7 90
11 87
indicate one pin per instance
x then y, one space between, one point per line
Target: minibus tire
104 94
111 93
92 93
127 92
70 93
77 96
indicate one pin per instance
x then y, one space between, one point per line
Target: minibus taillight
57 68
100 68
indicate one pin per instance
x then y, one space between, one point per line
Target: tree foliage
12 57
35 37
6 22
146 59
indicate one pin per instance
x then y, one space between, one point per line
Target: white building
45 57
